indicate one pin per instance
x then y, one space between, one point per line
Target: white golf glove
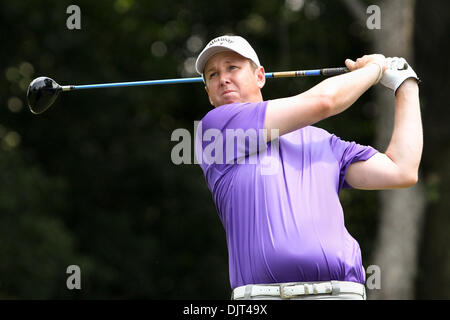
398 70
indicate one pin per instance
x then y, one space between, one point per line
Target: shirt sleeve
347 153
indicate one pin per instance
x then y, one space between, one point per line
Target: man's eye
212 74
233 67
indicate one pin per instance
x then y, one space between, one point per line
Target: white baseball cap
224 43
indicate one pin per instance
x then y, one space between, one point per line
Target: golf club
43 91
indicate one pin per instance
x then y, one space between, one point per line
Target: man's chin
229 101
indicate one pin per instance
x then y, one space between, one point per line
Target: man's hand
367 60
394 77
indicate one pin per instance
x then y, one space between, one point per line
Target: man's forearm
405 147
345 89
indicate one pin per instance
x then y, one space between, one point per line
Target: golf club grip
334 71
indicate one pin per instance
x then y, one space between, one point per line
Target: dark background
91 181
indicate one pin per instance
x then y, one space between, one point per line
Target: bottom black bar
199 309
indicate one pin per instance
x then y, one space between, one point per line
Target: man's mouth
227 92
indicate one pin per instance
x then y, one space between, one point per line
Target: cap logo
221 40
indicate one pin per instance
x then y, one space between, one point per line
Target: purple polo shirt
279 204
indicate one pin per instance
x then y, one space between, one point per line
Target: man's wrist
379 68
409 86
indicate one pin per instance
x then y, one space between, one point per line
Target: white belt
292 289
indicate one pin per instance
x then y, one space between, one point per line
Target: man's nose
224 78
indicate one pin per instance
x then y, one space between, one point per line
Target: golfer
285 228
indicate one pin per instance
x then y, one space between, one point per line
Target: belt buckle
283 295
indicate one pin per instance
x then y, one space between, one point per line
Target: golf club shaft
307 73
283 74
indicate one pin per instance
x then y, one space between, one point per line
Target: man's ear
261 77
207 91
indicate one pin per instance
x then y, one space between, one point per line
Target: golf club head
42 92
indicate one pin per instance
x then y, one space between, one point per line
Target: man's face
232 78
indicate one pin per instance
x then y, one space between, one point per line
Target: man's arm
398 166
326 99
